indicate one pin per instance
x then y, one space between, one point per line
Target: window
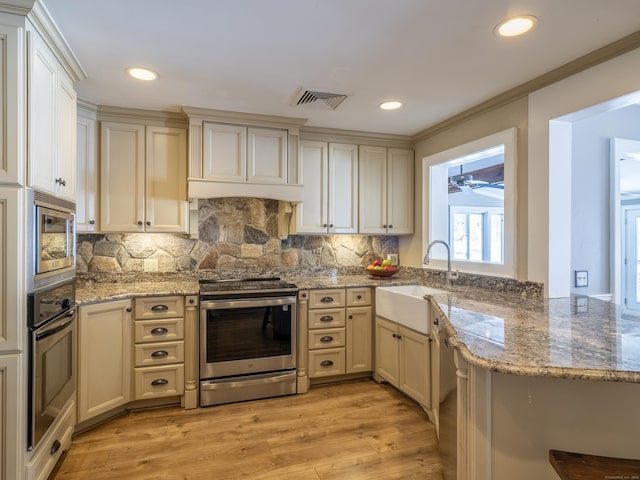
470 202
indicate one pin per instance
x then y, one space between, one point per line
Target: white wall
547 221
590 219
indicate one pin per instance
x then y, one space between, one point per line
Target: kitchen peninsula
535 375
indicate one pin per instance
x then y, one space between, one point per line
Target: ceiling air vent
331 100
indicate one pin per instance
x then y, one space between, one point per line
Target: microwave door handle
52 330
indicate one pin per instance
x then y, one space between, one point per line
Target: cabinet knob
304 295
324 225
148 223
399 337
395 335
350 317
129 309
436 321
331 225
60 181
192 301
384 226
390 226
140 222
92 222
359 297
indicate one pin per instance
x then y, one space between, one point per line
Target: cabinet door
266 155
122 177
167 207
104 357
311 215
400 178
387 351
12 99
415 366
359 339
224 152
343 188
11 424
66 137
11 297
372 188
42 115
86 175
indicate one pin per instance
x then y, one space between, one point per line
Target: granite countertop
576 337
87 293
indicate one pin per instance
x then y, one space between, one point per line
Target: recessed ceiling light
390 105
142 73
514 26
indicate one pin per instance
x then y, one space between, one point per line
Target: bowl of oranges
382 269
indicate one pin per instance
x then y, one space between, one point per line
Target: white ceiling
439 57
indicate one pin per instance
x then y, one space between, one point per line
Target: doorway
631 253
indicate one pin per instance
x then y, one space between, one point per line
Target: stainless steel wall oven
247 340
51 321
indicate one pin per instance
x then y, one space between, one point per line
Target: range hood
199 188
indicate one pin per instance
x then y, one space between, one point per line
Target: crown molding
18 7
601 55
111 113
244 118
356 136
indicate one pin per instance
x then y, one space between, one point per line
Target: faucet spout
427 258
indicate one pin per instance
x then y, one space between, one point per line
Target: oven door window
53 382
241 333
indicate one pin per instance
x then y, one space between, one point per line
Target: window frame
435 203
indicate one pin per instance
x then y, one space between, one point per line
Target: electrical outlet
582 278
393 257
150 264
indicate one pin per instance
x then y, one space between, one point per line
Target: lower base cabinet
104 357
403 358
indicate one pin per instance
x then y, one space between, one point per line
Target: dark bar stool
577 466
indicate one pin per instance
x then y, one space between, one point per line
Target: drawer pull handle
55 446
326 363
326 318
326 339
160 381
326 299
159 308
160 354
159 331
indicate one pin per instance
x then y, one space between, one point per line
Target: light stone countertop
576 337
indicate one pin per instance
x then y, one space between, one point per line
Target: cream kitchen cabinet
12 428
385 190
329 173
236 153
51 122
159 347
339 331
87 172
104 357
403 358
143 178
12 100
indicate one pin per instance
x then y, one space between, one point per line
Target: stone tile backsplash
234 233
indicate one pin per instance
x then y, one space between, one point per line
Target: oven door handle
253 302
56 326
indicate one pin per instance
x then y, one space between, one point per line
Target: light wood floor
353 430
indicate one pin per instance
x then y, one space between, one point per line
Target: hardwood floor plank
352 430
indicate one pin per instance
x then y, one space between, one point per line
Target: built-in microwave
51 239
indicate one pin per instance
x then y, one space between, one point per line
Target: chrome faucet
450 275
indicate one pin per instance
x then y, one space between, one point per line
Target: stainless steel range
247 339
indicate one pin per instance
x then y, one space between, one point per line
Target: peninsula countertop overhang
575 337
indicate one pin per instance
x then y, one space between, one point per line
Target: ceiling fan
466 181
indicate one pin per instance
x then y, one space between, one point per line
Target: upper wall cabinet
385 190
329 172
234 153
243 155
51 122
143 178
87 172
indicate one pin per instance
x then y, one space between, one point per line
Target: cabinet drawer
329 298
326 338
358 297
148 354
325 363
159 307
159 381
327 318
158 330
